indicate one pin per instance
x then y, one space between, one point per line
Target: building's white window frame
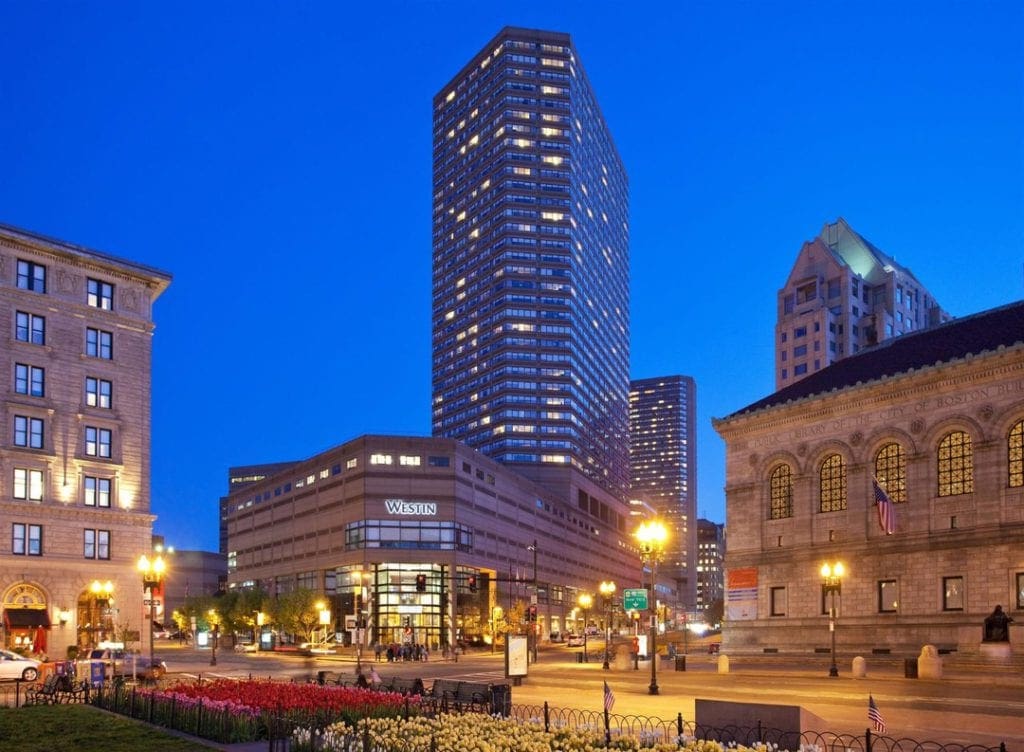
31 276
29 380
97 491
99 343
99 392
28 484
28 327
98 442
100 294
29 432
26 539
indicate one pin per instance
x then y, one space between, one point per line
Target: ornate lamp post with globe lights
832 585
652 537
152 571
607 589
586 601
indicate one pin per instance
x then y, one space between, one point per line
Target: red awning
26 618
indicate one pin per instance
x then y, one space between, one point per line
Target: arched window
956 464
781 487
891 471
1015 447
833 484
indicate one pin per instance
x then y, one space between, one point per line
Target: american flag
609 697
875 716
886 510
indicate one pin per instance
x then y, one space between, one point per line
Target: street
973 704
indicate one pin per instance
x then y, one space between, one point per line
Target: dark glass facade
530 315
663 461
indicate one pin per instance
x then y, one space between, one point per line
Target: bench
460 696
403 686
47 693
328 677
56 690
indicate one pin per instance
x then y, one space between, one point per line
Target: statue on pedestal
997 626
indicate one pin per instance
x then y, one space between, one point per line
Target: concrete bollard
929 663
723 664
860 668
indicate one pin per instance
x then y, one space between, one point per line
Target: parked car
14 666
122 663
574 641
246 647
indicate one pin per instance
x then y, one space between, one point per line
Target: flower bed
239 711
350 703
475 733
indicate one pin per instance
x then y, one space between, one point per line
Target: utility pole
536 597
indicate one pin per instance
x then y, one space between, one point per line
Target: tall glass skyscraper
663 458
531 264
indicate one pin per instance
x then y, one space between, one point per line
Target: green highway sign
634 599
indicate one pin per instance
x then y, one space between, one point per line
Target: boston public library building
934 418
429 540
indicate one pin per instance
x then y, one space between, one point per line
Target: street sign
634 599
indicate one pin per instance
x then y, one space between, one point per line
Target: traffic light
472 583
531 613
421 583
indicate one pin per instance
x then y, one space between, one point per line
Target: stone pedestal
723 664
929 663
996 650
859 668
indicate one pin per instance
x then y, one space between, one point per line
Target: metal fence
646 730
226 725
651 730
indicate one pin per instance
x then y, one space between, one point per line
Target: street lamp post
832 585
607 589
152 571
212 613
357 602
534 637
586 601
652 536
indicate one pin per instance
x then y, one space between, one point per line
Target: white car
14 666
574 641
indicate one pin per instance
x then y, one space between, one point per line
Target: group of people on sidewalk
407 652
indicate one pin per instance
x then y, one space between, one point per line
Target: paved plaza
974 703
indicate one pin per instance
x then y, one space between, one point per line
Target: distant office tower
663 460
844 294
710 554
530 264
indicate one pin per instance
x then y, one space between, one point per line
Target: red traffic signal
531 613
472 583
421 583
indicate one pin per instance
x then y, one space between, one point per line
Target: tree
714 612
296 612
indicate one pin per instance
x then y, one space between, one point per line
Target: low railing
651 730
226 724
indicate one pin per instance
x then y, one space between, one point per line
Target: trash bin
680 663
501 700
579 657
910 668
321 677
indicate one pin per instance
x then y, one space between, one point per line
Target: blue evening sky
275 158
